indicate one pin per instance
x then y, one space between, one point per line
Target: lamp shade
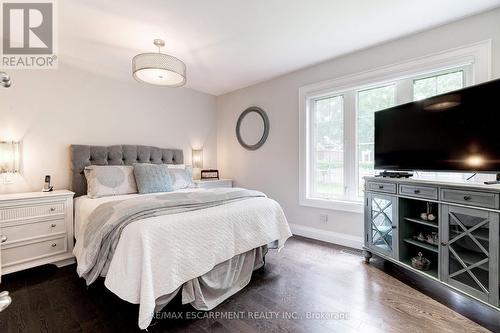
197 158
9 157
158 68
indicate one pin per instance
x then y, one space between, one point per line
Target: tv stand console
455 226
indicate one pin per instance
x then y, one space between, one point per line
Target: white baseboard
327 236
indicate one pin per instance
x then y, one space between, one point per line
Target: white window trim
476 54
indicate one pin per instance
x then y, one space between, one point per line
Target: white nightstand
214 183
36 229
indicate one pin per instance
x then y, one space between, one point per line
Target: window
369 102
330 160
429 86
328 148
437 84
336 120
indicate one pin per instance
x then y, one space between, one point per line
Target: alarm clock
209 174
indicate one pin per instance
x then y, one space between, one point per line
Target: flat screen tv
457 131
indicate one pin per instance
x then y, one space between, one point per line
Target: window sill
334 204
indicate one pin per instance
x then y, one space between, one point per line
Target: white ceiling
230 44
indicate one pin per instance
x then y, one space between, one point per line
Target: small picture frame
209 174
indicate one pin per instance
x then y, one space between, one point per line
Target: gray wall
274 168
51 109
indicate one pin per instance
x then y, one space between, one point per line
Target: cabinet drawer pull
394 227
52 209
53 225
3 239
444 243
466 197
54 245
416 191
381 186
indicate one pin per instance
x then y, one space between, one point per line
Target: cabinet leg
367 254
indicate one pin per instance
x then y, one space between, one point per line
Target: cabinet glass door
381 210
470 251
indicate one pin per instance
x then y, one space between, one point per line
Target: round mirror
252 128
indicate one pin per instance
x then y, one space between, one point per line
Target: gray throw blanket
106 223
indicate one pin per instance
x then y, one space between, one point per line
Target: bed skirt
223 281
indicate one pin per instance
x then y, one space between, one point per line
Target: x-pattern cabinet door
381 211
469 248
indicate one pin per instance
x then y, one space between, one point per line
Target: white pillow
109 180
181 176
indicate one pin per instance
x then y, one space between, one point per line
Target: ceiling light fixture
158 68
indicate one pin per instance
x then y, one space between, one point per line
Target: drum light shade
158 68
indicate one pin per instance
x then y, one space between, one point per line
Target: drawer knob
52 209
393 227
466 197
53 225
381 186
3 238
416 191
54 245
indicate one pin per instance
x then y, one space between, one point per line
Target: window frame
476 57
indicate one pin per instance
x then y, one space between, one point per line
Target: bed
207 251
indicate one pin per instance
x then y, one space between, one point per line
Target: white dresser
214 183
36 229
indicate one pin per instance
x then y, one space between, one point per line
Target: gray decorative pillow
109 180
152 178
182 177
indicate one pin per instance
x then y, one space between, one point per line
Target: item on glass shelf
420 237
424 216
420 263
433 238
430 216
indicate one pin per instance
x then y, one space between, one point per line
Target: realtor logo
28 35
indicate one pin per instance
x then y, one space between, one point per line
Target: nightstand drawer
381 187
14 213
18 254
426 192
472 198
25 231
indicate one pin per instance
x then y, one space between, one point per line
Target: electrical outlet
323 218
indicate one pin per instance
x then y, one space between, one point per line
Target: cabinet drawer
473 198
29 230
31 211
381 187
18 254
426 192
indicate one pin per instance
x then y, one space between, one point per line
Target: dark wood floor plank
307 278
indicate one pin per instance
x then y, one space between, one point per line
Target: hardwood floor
306 276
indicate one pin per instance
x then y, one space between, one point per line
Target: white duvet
155 256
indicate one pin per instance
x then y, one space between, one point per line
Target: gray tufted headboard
82 156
